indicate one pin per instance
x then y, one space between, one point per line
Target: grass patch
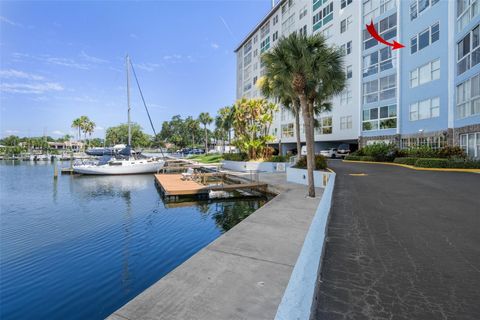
207 158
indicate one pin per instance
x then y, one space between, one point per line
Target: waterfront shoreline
243 273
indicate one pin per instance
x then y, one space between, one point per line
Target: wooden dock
172 185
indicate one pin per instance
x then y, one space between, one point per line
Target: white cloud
30 88
10 131
10 22
16 74
214 45
98 128
46 58
58 133
92 59
147 66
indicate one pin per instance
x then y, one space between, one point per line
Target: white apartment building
342 29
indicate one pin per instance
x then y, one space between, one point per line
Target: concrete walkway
241 275
402 244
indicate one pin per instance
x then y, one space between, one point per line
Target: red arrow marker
371 29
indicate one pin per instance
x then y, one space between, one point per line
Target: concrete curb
298 296
416 168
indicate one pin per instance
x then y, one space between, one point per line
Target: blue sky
60 60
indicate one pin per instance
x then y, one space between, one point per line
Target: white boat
125 161
122 166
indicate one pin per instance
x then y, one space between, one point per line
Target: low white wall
300 176
245 166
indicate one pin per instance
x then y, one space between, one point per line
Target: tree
314 72
89 127
226 115
252 119
77 124
205 119
192 126
119 134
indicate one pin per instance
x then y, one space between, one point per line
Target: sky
63 59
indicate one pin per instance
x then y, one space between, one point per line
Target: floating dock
173 186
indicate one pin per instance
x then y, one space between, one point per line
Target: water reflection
109 186
228 214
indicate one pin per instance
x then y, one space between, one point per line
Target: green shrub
352 157
320 163
367 158
431 163
235 156
379 152
452 152
447 163
422 152
406 160
278 159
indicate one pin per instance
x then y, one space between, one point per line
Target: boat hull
107 169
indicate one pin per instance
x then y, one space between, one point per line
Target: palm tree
77 124
205 119
192 126
314 72
89 127
226 115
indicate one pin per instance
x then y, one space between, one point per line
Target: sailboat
125 161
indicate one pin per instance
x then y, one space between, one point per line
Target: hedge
320 163
360 158
406 160
447 163
235 156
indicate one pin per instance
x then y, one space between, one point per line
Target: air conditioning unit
281 167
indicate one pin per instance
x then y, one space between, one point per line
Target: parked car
343 150
329 153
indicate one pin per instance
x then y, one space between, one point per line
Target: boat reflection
109 186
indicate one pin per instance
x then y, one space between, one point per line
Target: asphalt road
402 244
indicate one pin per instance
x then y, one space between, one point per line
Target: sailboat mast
128 102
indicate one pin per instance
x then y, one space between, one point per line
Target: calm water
80 247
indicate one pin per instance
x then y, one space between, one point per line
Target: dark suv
343 150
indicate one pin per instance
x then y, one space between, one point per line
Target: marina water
80 247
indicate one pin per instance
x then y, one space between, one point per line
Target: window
468 51
434 142
425 38
380 118
470 143
275 36
322 17
303 31
349 72
275 20
303 12
288 25
345 24
468 98
426 73
378 61
347 48
418 6
345 3
255 53
265 45
287 130
380 89
467 10
425 109
247 48
346 96
247 59
374 8
254 80
387 28
324 126
327 32
345 122
265 30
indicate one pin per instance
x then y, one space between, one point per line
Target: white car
329 153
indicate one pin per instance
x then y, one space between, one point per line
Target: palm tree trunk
206 139
307 119
297 132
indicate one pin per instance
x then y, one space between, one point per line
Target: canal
80 247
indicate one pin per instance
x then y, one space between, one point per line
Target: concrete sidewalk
241 275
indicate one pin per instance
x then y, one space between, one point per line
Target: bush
320 163
278 159
379 152
422 152
447 163
452 152
235 156
367 158
406 160
352 157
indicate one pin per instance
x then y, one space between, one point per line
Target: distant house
67 145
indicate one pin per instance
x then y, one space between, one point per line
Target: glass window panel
413 10
424 109
423 39
424 72
435 32
422 5
476 36
475 82
374 113
435 110
436 69
383 112
366 114
392 111
414 78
